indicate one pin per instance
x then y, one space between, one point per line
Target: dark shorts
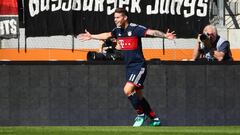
136 76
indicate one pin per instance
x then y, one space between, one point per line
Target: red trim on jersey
128 43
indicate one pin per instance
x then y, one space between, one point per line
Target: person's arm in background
219 54
88 36
196 52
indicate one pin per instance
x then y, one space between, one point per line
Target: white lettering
8 27
67 7
87 6
56 7
173 7
44 5
153 11
1 28
109 9
164 6
186 8
135 6
13 25
77 5
98 5
122 3
191 5
204 5
33 7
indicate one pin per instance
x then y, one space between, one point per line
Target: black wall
86 94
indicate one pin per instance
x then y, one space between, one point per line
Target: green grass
120 130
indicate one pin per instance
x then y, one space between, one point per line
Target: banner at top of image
70 17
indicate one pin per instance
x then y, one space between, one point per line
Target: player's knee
128 90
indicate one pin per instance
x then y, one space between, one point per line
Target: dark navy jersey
131 44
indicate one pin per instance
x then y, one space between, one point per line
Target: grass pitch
120 130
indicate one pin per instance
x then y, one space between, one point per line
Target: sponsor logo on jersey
128 43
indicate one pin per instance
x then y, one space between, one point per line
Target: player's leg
133 97
135 79
146 106
155 121
130 92
138 80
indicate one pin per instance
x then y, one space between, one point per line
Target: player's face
120 19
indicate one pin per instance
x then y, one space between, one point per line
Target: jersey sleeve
114 33
141 31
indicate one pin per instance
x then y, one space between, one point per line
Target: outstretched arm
157 33
88 36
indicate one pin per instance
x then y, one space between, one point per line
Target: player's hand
118 45
85 36
170 35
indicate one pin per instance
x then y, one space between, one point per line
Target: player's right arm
88 36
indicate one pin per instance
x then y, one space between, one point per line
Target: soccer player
129 36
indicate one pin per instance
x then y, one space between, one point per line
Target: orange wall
69 55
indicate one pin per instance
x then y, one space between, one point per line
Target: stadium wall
81 93
70 48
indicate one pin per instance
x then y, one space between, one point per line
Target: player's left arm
157 33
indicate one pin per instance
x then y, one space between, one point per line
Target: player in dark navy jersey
129 40
128 37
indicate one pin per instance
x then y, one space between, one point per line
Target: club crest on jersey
129 33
